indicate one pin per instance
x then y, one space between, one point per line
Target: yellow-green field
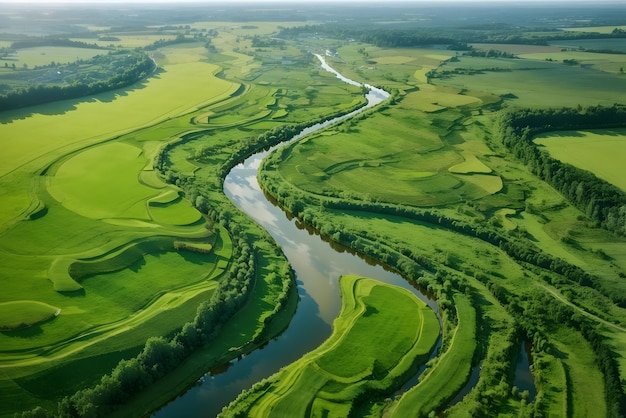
594 151
372 349
44 55
91 251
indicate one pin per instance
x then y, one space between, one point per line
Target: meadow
364 356
589 150
534 81
104 269
450 124
64 175
45 55
118 231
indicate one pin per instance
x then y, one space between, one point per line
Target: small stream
317 265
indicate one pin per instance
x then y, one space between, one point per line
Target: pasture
451 371
418 165
590 150
364 353
45 55
536 82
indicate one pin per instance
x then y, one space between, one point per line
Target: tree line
397 38
52 41
601 201
411 265
133 67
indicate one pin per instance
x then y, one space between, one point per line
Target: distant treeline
601 201
134 66
47 41
396 38
161 355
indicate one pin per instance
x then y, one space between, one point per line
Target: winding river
318 267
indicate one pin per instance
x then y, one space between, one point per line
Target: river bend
317 268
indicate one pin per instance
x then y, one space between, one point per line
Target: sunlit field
590 150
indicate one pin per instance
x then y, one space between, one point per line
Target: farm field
131 277
364 354
590 151
328 169
38 56
532 81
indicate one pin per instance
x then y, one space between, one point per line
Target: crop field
590 150
618 45
364 353
535 82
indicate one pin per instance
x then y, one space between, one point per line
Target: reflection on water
523 376
317 266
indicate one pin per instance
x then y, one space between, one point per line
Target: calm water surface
318 267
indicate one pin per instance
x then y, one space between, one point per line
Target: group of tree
601 201
405 37
161 355
52 41
162 43
412 266
125 68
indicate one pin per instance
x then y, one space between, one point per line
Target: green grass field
591 151
44 55
536 82
446 121
98 253
417 165
451 371
92 259
364 353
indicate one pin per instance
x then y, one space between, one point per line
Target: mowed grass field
423 161
590 150
373 347
87 255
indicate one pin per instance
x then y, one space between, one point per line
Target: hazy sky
305 1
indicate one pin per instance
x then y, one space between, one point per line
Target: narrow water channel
317 266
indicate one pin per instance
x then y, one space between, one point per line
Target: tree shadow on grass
24 333
61 107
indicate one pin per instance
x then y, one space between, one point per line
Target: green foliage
371 351
120 69
599 200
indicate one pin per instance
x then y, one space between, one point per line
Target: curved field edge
116 259
25 313
267 305
360 360
450 372
319 212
